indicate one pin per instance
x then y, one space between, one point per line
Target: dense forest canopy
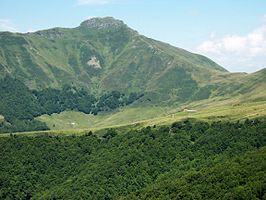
188 160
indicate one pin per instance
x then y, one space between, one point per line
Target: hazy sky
231 32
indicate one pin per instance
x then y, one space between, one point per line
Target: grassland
220 111
76 123
1 118
204 110
124 116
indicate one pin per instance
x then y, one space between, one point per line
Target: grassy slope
138 117
129 61
134 63
248 100
78 120
1 118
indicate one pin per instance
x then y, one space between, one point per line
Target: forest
20 106
188 160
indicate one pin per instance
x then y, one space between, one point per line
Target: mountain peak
102 23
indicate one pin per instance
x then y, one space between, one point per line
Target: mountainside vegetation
103 65
104 54
19 106
188 160
130 118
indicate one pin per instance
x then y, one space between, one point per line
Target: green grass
2 119
205 110
124 116
70 122
77 123
220 111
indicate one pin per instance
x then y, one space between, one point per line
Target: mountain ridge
102 55
28 43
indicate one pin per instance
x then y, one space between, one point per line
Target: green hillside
104 67
104 54
20 106
101 54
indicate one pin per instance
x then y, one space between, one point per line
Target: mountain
103 65
142 99
103 54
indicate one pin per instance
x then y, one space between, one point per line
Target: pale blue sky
231 32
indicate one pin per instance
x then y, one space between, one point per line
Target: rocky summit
102 23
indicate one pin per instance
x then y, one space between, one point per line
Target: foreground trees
189 160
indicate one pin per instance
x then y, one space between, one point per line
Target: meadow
134 117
